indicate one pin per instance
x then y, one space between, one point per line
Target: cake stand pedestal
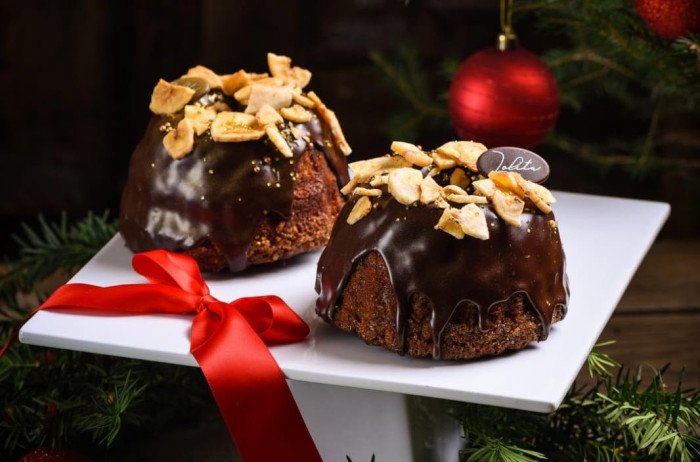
359 423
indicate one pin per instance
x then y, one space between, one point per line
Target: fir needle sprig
616 419
54 397
52 247
599 363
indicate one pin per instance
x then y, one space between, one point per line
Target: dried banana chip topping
303 100
268 115
179 142
412 153
268 98
360 210
507 181
445 179
430 191
281 67
200 117
296 114
465 153
243 95
401 147
330 118
261 95
367 192
467 199
459 178
278 140
485 187
508 206
449 224
234 82
168 98
207 74
235 127
404 185
453 189
472 221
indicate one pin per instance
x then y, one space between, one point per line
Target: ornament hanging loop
507 40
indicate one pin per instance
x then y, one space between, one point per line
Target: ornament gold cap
506 41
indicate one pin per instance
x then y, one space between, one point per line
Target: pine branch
488 449
99 397
613 420
58 245
96 396
44 251
112 408
407 77
599 363
610 35
615 153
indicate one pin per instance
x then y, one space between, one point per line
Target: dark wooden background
76 78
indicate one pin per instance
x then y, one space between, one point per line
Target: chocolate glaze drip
420 259
219 191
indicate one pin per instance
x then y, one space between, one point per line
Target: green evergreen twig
52 247
404 74
54 397
614 420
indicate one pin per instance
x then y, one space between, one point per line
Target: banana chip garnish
465 153
330 118
168 98
296 113
272 101
360 210
472 220
404 185
212 78
411 181
281 67
199 117
179 142
449 224
273 133
508 206
235 127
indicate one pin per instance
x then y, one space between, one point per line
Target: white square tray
604 239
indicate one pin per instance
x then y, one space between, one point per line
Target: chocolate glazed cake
412 268
244 169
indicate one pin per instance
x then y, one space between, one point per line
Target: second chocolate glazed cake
430 258
235 169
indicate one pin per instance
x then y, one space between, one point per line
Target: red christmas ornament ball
504 98
670 18
53 455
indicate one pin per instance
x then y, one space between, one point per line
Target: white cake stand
354 397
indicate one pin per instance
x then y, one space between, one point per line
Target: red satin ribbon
229 341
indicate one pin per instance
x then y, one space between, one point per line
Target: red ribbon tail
252 393
228 342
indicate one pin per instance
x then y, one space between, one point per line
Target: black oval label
529 165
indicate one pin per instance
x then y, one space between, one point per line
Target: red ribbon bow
229 341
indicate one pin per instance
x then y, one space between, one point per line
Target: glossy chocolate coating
449 271
219 191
